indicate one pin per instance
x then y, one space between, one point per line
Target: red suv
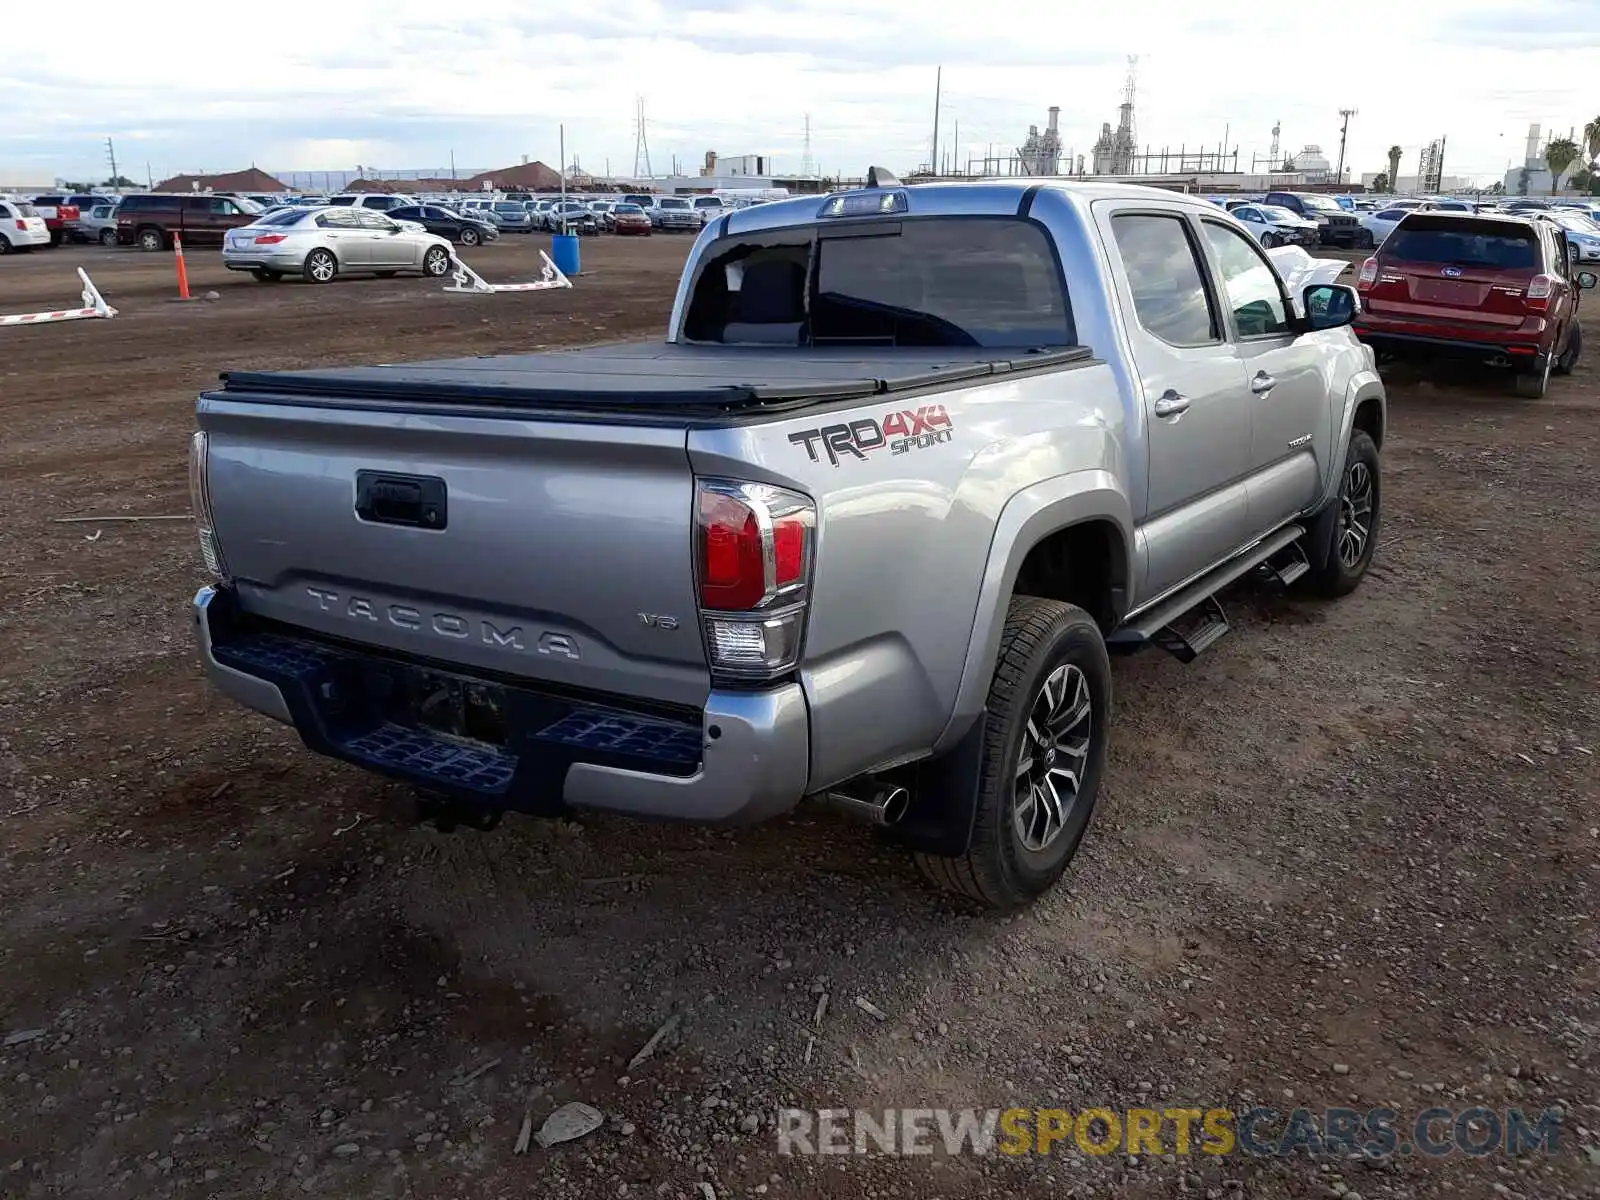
1487 286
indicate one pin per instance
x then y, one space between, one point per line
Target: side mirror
1587 280
1329 305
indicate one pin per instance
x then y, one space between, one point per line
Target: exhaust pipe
1499 360
883 806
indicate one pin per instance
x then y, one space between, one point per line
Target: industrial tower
1113 152
641 145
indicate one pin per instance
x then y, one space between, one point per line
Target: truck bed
644 377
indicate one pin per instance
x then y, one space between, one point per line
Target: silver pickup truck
911 462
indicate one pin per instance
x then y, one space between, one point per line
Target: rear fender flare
1028 517
1364 385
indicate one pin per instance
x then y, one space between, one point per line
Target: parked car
377 201
150 220
1494 288
320 244
1338 227
709 578
514 218
1381 224
1583 234
709 208
1274 226
21 227
674 213
629 220
440 221
573 216
98 224
645 200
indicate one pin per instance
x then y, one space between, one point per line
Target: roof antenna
881 177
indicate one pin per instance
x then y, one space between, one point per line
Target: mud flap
944 798
1318 540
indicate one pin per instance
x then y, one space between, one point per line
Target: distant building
1532 178
233 181
742 165
1314 165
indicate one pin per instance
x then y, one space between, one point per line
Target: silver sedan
320 244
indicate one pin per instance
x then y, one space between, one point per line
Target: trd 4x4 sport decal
901 431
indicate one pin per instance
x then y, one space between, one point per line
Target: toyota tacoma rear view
910 465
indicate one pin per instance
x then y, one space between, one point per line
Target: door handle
1170 404
1262 383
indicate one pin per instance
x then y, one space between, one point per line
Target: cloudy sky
406 83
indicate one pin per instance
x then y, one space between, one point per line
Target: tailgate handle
417 501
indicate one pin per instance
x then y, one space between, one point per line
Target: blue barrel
564 253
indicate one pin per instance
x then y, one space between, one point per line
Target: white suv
380 201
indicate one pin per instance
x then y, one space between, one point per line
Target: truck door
1197 411
1290 415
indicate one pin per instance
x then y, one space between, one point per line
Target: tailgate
522 547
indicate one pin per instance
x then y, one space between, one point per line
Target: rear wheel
1355 532
321 266
5 244
108 237
1532 385
1573 352
1044 749
436 262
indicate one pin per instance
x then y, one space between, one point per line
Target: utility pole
938 83
1344 132
955 152
452 166
111 153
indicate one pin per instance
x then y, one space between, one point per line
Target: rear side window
1164 274
289 216
950 282
1498 245
990 281
341 201
139 203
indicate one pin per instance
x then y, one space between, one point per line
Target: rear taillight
200 501
21 224
753 553
1540 289
269 239
1369 273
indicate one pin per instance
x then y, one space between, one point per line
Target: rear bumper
743 758
1518 350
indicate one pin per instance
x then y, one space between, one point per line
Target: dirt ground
1348 857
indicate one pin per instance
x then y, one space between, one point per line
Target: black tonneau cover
649 375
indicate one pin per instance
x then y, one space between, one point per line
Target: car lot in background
377 201
320 244
1493 288
21 227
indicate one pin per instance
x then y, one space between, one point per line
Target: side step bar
1160 626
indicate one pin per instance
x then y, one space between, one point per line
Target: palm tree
1560 154
1380 183
1591 141
1394 166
